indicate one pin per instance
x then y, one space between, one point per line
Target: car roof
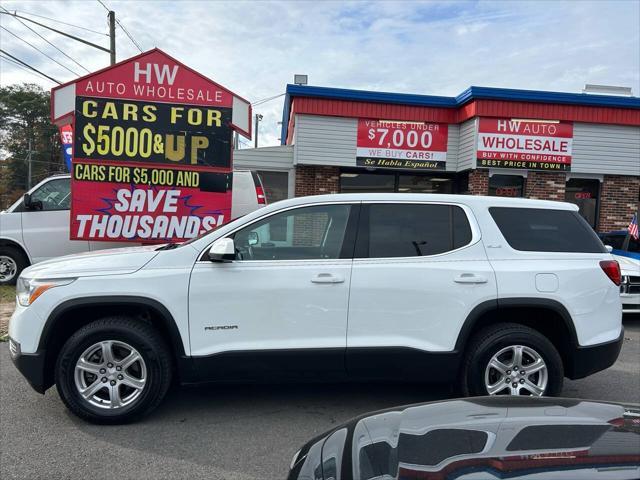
471 200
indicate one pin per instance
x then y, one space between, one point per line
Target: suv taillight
612 269
262 200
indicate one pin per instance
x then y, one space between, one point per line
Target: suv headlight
28 289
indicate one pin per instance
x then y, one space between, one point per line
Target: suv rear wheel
512 359
113 370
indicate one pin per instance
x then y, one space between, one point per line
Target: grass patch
7 302
7 293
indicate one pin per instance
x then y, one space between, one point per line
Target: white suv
505 296
36 227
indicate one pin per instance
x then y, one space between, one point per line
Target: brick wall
316 180
618 202
479 182
545 185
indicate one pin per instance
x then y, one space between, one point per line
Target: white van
30 234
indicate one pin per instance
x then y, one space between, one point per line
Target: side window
408 230
546 230
54 195
305 233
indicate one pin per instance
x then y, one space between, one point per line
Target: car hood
492 436
114 261
628 265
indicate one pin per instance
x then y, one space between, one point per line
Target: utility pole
112 36
257 122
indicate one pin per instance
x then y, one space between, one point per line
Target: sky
432 48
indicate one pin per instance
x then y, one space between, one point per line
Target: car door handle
327 278
470 278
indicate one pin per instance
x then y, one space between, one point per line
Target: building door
584 193
506 185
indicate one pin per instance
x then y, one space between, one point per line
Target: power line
38 34
129 35
105 7
6 59
122 27
64 23
246 144
265 100
30 67
65 34
36 48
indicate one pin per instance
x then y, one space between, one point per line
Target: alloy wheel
516 370
110 374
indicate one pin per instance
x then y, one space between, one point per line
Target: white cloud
438 48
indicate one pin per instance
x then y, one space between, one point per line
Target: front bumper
630 303
30 365
630 293
593 358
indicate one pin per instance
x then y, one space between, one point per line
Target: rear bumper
593 358
30 365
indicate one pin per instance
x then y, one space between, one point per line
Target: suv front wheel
512 359
113 370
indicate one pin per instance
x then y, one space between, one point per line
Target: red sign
395 144
533 145
154 77
582 195
111 205
152 152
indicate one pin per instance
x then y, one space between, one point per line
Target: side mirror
29 204
609 248
222 250
253 239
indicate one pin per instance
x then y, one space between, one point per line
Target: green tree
24 116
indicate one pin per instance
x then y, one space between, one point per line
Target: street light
257 122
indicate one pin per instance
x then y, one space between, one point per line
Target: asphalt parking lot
221 432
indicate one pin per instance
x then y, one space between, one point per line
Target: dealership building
582 148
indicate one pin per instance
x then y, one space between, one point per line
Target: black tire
491 340
137 334
20 260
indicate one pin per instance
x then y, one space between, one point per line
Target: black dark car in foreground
481 438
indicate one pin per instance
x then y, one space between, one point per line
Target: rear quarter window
546 230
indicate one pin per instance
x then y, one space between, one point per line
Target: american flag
633 227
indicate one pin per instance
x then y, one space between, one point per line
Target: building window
584 193
424 184
352 182
506 186
275 184
375 182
